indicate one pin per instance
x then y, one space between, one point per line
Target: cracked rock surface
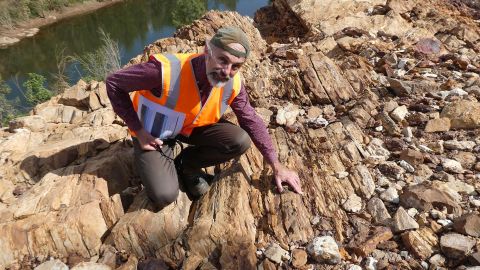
374 103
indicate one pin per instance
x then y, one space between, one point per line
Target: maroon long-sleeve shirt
148 76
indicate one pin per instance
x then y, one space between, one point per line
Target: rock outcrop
361 98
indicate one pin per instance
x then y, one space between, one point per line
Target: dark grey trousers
209 145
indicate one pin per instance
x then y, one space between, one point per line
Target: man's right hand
147 141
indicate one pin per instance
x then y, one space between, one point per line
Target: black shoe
196 183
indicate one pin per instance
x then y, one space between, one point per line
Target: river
132 23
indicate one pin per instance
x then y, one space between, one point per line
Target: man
182 97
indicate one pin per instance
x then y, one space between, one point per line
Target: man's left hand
284 175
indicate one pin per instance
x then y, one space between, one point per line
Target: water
132 23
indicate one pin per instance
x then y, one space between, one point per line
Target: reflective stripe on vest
174 87
180 94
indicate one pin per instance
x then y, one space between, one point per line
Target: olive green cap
231 34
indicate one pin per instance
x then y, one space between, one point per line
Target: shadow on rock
111 162
152 264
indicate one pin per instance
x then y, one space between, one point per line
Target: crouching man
183 97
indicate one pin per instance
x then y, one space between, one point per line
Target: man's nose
227 69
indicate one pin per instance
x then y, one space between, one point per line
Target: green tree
37 8
8 110
35 91
186 11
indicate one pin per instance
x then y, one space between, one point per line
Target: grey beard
215 83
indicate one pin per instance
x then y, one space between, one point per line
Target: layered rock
358 105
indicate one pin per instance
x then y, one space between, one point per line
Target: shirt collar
200 71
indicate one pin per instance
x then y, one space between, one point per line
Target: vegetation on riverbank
8 108
186 11
98 64
35 89
13 12
35 93
95 66
90 64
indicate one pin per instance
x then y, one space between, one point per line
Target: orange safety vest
179 109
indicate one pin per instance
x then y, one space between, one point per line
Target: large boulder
145 234
456 246
77 95
332 16
463 114
324 78
468 224
70 230
34 123
83 142
425 197
69 211
59 113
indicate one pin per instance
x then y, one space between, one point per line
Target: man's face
221 65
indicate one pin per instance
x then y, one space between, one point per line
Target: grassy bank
13 12
95 65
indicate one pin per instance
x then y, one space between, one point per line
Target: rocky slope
374 103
